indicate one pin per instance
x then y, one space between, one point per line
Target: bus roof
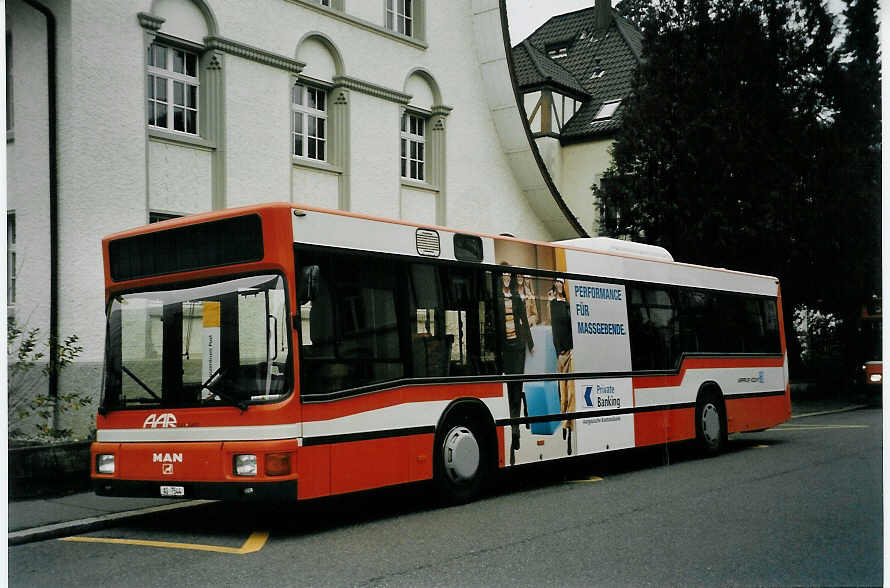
621 263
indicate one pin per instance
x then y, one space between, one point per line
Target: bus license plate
172 491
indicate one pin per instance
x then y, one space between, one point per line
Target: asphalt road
800 504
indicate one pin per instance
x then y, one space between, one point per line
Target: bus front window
221 343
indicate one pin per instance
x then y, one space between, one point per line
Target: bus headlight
875 378
245 465
105 463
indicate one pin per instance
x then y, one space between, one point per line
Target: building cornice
442 110
251 53
364 87
150 21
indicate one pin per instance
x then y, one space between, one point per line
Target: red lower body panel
361 465
753 414
664 426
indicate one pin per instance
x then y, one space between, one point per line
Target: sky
525 16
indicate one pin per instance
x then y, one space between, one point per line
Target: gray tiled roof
533 68
615 51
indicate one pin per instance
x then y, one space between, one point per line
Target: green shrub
29 368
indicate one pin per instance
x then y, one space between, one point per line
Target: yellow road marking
254 543
590 479
761 446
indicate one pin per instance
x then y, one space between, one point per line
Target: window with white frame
309 118
413 148
10 258
173 89
400 16
606 111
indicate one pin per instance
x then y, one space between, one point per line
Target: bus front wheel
463 460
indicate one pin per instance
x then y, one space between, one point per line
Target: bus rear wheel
463 460
710 424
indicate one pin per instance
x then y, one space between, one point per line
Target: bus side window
653 328
772 343
461 322
430 346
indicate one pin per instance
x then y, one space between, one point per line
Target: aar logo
165 420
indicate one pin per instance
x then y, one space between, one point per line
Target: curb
93 523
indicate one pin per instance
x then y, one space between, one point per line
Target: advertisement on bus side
556 326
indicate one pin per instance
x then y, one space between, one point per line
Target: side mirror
308 283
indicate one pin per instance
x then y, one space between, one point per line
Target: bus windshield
225 342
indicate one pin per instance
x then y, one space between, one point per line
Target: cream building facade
125 112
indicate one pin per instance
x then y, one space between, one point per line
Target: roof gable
534 69
602 61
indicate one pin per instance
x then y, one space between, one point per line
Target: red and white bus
290 352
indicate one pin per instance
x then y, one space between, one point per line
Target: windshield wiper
216 378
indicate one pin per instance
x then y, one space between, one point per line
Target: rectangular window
309 119
376 320
606 111
172 86
653 327
413 146
10 259
400 16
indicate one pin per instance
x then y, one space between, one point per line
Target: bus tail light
277 464
105 463
245 465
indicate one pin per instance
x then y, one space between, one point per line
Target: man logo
166 458
164 420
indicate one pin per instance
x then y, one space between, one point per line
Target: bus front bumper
284 490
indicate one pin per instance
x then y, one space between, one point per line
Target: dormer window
598 70
606 111
557 52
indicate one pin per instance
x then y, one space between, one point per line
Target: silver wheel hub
461 454
710 424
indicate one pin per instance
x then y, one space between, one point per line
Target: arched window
315 111
178 85
422 131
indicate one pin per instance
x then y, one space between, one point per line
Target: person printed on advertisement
515 334
562 341
527 292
